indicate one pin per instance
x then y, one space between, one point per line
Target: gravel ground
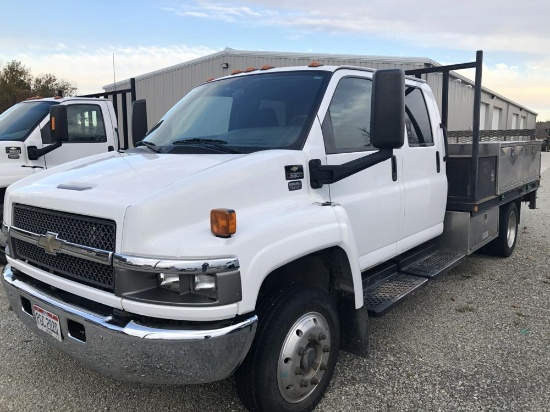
477 339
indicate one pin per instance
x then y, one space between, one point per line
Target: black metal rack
445 70
470 190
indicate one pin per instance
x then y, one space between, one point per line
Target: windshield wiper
215 143
149 145
199 140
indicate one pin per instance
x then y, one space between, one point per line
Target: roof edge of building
234 52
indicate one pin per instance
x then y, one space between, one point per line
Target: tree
17 84
49 85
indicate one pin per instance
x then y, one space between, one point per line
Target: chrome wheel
304 357
512 229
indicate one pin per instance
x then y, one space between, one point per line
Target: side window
349 116
86 124
417 121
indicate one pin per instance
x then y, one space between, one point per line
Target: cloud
224 12
91 70
468 25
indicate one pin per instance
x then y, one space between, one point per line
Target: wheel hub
304 357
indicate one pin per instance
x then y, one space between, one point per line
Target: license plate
48 322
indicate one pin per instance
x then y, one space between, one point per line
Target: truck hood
105 185
160 199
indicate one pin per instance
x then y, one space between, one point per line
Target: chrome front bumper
136 352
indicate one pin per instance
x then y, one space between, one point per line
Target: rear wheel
505 243
293 356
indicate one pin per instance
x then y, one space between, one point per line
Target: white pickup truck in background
26 146
266 217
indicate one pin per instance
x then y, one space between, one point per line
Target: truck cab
25 137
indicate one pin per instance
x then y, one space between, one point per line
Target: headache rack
489 167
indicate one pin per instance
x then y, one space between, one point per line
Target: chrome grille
81 230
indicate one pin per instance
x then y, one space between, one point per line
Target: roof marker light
267 67
315 64
236 72
250 69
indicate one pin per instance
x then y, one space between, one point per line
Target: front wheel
505 243
293 356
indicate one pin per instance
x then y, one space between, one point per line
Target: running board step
383 295
433 264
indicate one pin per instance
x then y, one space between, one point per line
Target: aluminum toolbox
503 166
531 161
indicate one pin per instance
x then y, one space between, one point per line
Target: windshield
19 121
249 113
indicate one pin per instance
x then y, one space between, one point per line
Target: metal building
163 88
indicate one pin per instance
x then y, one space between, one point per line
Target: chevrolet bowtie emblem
50 243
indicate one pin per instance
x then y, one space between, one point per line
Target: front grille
81 230
77 229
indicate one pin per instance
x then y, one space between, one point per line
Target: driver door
87 134
372 199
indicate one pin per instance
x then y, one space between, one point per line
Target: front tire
293 357
505 243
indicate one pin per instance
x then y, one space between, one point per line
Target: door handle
437 162
394 168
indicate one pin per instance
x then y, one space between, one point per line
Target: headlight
205 285
170 282
209 282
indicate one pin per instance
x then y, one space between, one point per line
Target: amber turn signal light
223 222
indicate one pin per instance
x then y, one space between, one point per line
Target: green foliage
17 84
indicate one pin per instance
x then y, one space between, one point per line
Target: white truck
26 146
267 216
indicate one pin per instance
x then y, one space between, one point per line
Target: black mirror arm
35 154
320 175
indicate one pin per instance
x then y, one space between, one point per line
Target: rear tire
505 243
293 356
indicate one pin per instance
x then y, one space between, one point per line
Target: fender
309 230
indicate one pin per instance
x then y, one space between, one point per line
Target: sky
76 40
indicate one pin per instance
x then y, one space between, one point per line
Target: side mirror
139 120
387 124
59 129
